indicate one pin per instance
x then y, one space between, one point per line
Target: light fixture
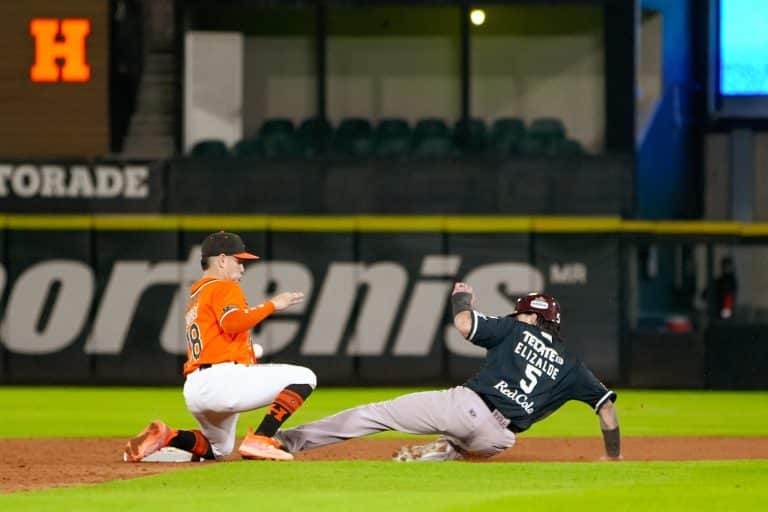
477 16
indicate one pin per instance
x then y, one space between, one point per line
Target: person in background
721 295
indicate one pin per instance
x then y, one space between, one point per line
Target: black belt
207 365
511 426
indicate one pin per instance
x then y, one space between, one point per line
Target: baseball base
170 454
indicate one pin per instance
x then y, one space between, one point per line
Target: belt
207 365
510 426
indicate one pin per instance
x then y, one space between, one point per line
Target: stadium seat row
394 138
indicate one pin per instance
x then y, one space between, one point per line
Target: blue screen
743 47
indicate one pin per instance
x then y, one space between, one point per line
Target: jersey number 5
533 375
193 341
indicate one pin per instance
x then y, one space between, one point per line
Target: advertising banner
106 305
3 281
137 278
521 186
407 279
323 266
82 187
50 289
582 271
497 266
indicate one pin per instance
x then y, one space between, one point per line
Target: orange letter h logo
69 48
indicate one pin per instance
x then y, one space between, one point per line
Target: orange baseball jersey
218 323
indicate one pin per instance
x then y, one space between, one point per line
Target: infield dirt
29 464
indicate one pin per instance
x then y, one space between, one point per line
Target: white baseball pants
217 395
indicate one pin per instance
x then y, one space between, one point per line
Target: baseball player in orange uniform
223 378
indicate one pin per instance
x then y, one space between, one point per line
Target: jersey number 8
194 341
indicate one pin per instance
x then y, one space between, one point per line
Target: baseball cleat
262 448
151 439
437 451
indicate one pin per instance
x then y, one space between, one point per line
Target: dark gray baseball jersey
526 377
529 374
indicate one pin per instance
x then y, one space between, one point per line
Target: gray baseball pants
458 414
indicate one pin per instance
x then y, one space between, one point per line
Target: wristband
461 301
612 441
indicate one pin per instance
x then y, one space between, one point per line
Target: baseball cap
226 243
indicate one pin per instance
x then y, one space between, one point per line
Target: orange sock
192 441
286 402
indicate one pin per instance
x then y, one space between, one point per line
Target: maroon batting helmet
543 305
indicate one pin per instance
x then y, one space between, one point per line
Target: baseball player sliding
528 374
222 377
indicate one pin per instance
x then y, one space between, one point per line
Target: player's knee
303 375
307 376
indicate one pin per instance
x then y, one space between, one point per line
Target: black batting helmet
543 305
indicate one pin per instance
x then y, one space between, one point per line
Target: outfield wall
95 258
98 299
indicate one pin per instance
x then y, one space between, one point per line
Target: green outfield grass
387 486
452 486
110 412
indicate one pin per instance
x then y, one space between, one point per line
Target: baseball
258 350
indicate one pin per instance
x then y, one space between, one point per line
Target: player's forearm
463 322
608 418
240 320
609 424
461 305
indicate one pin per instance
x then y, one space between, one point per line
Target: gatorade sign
60 50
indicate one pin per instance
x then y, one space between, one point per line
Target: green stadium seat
547 129
430 127
565 147
392 148
506 135
315 135
351 127
278 138
393 127
281 145
470 136
532 146
209 148
276 125
353 138
248 148
393 138
509 126
433 147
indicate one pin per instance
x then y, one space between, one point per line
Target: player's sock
287 401
193 441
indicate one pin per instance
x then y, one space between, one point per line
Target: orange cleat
262 448
150 440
